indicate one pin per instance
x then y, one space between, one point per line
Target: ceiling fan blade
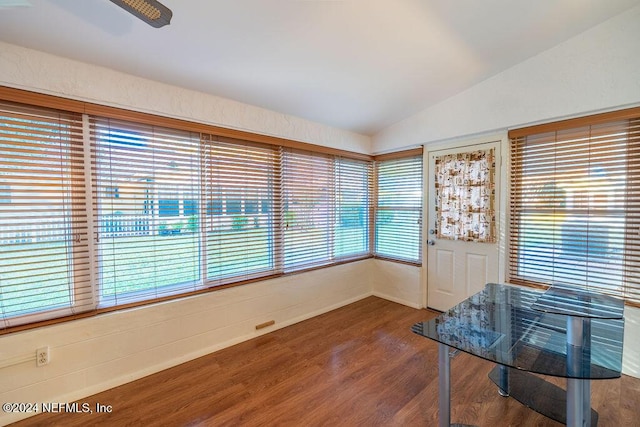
10 4
152 12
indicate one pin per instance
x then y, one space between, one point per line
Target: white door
458 265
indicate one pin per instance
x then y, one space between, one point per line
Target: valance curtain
465 193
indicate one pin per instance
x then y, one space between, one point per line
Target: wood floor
356 366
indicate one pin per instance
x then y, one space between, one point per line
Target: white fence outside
126 225
54 229
46 230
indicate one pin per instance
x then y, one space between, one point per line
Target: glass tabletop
500 325
570 301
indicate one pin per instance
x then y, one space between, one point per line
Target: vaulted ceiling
359 65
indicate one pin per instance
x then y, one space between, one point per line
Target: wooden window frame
630 284
397 155
90 109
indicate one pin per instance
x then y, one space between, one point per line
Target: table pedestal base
538 394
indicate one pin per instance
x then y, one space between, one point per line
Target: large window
399 209
240 243
99 211
575 204
44 262
143 253
353 183
308 209
326 203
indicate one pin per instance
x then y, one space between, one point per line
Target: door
462 249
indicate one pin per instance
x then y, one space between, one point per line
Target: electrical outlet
42 356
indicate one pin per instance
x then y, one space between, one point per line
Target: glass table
563 332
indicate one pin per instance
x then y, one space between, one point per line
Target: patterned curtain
465 193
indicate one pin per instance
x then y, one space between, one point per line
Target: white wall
41 72
397 282
94 354
594 71
631 354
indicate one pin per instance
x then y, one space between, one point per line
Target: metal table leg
578 390
503 386
444 387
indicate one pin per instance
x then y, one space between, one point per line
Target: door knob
431 242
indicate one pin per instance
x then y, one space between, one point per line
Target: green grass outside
146 264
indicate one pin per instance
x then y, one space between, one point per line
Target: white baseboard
411 304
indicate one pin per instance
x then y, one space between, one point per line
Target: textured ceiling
359 65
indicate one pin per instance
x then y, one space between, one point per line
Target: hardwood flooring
356 366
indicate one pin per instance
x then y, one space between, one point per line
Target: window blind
242 232
114 208
325 209
44 260
575 206
399 209
354 188
146 196
308 209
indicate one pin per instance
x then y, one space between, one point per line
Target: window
113 192
44 264
265 206
326 209
308 215
169 211
399 209
169 205
214 207
190 207
5 194
353 180
144 254
574 214
251 207
239 247
234 206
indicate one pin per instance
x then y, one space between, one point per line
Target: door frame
502 140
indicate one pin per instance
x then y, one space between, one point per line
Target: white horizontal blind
399 209
631 281
325 209
308 209
354 185
146 182
171 211
239 184
575 208
44 261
